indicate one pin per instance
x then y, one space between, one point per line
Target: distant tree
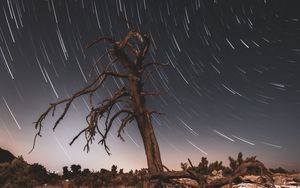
184 166
121 171
279 170
103 171
66 173
76 169
215 166
204 163
38 172
240 159
130 172
233 163
86 172
114 169
203 166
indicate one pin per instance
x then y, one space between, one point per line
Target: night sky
233 83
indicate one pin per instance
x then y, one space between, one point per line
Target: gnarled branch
128 53
124 122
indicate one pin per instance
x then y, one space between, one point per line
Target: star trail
232 84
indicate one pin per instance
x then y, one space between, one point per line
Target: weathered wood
202 179
128 53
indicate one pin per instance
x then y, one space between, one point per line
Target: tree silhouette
86 172
66 173
216 166
114 169
76 169
240 159
128 54
38 172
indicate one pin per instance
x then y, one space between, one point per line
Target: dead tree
129 54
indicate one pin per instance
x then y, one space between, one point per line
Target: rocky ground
280 180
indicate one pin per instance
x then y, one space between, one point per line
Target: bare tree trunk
150 143
143 118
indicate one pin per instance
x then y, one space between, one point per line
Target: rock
214 173
296 177
250 178
279 179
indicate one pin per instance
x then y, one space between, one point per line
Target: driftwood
174 176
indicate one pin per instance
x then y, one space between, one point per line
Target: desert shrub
278 170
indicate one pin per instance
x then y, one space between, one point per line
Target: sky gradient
233 83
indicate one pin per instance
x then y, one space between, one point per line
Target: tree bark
150 144
143 118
